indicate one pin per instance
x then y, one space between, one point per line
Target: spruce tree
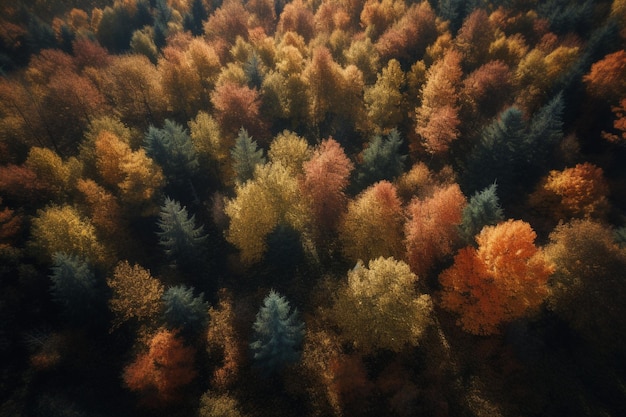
278 333
182 240
183 311
194 20
482 210
382 160
246 156
74 287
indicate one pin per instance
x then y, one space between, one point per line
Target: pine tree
246 155
482 210
277 333
74 287
544 132
182 240
195 19
381 160
172 148
183 311
252 69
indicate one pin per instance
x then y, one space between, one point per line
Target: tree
619 124
379 307
194 20
385 100
437 117
246 156
103 208
278 333
63 229
74 288
136 295
184 312
182 241
580 191
482 210
475 38
605 80
326 176
373 225
171 147
238 106
57 176
163 371
588 283
219 405
503 280
382 160
297 17
431 230
291 150
484 92
377 16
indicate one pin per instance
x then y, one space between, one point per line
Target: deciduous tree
606 79
503 280
379 307
385 101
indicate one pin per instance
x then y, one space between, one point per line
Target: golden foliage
504 279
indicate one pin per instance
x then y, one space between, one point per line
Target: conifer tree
183 311
194 21
482 210
74 287
278 333
172 148
181 239
381 160
246 155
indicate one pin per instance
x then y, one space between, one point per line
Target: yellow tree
384 100
379 307
503 280
291 150
136 295
373 224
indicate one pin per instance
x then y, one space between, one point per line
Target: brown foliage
486 91
228 22
351 383
20 185
619 124
431 229
504 279
607 78
297 17
475 37
238 106
162 372
10 225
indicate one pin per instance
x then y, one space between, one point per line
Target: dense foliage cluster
312 207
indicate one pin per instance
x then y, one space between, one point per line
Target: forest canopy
312 207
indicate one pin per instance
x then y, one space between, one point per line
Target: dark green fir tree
278 333
482 210
246 156
183 241
184 311
74 288
382 160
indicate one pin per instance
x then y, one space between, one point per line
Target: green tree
246 155
382 160
482 210
183 311
74 287
180 237
172 148
278 333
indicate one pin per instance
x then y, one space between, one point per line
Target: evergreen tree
183 311
544 132
482 210
74 287
277 334
183 241
194 20
381 160
284 250
172 148
252 69
566 16
246 155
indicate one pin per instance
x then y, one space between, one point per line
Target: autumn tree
379 307
587 285
373 224
606 78
618 135
437 118
431 230
278 333
103 208
474 38
238 106
58 177
62 229
219 405
291 150
503 280
580 191
483 209
385 100
377 16
183 311
136 295
272 197
326 176
161 373
297 17
246 155
227 22
182 240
